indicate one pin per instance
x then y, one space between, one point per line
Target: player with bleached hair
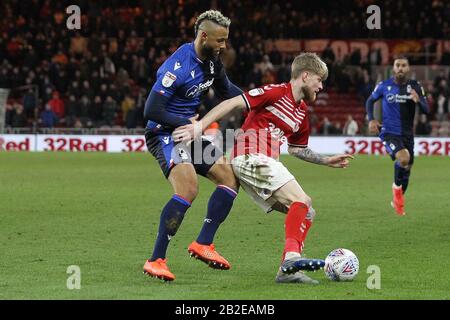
276 112
182 81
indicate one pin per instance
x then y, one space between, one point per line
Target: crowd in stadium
100 75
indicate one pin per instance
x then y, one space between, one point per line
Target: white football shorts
260 176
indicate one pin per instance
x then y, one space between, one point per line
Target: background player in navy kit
182 80
400 97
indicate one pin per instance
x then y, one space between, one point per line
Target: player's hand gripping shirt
273 118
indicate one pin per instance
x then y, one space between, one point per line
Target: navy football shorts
394 143
201 153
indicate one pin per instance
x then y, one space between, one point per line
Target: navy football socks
219 207
401 176
171 217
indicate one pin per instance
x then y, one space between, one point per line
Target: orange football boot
209 255
158 269
398 200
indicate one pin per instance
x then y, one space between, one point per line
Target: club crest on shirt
169 79
256 92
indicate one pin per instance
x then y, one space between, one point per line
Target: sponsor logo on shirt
195 90
275 132
280 115
390 98
397 98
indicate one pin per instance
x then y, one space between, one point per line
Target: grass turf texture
101 213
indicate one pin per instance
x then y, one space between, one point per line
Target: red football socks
294 237
304 228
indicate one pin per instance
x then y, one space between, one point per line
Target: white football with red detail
341 265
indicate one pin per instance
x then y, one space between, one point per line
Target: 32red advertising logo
21 145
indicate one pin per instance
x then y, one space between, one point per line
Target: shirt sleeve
301 137
377 92
260 97
168 78
155 110
423 103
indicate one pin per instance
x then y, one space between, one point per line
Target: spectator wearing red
14 46
57 104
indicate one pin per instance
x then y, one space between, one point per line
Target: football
341 265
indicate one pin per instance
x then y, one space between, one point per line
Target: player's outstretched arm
191 131
222 110
306 154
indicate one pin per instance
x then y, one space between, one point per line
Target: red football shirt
273 117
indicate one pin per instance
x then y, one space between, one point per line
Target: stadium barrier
428 146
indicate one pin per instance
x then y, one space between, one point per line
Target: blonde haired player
277 111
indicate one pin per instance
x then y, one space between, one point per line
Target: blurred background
96 79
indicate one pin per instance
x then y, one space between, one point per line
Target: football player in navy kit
182 80
400 96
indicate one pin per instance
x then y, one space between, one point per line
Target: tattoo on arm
309 155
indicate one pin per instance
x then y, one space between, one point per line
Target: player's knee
404 161
190 191
231 182
228 179
308 201
305 199
403 158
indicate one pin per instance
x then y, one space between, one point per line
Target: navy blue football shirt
398 108
184 79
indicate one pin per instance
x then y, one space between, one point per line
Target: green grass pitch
101 213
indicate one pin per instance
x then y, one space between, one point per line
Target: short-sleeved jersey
185 79
274 117
398 108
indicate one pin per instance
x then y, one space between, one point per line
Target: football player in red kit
277 112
